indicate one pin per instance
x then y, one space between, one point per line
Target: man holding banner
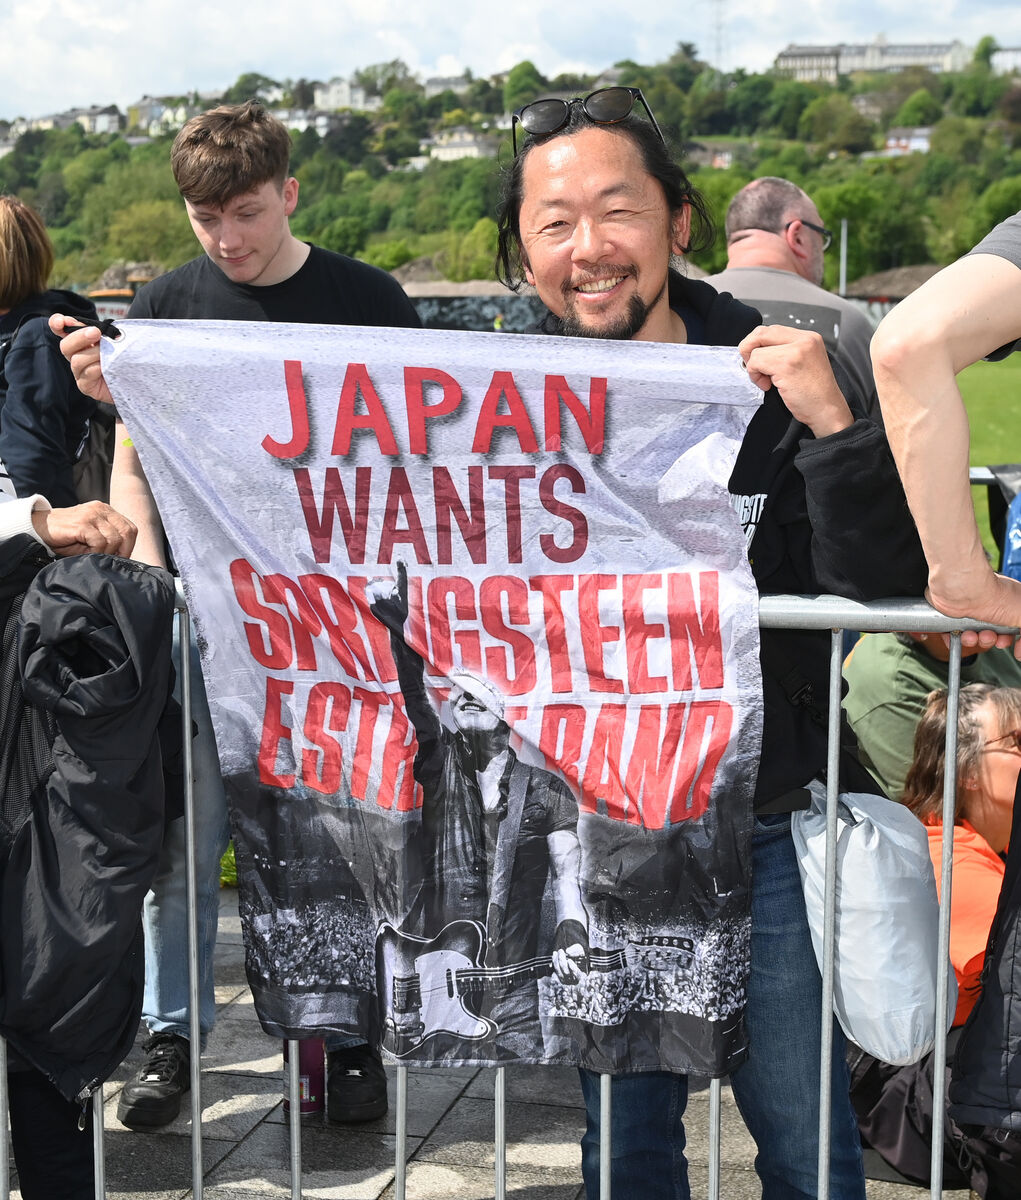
593 210
231 168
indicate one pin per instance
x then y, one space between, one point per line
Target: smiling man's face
597 236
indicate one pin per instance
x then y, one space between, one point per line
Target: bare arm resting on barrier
967 311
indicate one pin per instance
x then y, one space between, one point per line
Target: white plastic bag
887 922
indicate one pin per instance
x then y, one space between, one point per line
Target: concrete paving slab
538 1136
337 1164
434 1181
533 1085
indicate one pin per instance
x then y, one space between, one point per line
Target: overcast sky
57 54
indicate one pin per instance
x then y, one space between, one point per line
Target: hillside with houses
917 146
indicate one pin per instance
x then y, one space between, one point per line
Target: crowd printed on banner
480 646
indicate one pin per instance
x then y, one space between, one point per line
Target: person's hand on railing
982 596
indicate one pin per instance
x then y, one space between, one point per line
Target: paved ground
450 1128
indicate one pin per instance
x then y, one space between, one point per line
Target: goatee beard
622 328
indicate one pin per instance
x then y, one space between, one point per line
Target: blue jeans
165 916
776 1088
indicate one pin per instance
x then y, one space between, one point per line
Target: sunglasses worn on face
1014 736
607 106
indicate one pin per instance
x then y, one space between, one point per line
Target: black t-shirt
328 289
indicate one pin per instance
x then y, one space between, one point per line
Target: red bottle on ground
311 1079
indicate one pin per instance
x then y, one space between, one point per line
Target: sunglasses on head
606 106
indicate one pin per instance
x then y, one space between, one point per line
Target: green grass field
992 393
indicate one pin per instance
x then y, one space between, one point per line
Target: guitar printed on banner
435 986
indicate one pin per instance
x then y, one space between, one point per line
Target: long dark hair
656 159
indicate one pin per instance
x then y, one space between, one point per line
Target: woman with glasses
894 1104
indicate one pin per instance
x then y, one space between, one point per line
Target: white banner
481 647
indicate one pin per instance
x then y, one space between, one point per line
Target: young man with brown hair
231 167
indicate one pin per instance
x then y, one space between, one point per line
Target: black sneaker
355 1085
152 1096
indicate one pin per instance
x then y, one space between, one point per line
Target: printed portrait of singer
495 831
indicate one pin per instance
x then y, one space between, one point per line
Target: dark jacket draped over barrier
81 829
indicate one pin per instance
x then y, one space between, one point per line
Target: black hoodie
44 418
825 516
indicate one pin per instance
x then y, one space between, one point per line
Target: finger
59 323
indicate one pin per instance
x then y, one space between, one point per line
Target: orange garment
974 891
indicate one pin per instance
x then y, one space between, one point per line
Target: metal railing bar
401 1149
294 1113
98 1145
829 915
715 1141
191 891
939 1061
5 1162
874 616
605 1135
500 1133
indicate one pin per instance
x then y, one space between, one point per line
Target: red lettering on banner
320 524
305 623
653 760
490 418
418 411
699 759
357 383
400 496
603 779
593 635
560 739
591 422
513 673
638 632
462 592
336 612
448 504
329 706
362 759
398 757
274 731
275 626
567 512
691 633
298 407
512 477
551 587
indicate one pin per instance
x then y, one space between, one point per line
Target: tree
523 83
984 51
381 78
151 230
920 108
345 235
249 86
302 93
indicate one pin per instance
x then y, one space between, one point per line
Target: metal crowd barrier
775 612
